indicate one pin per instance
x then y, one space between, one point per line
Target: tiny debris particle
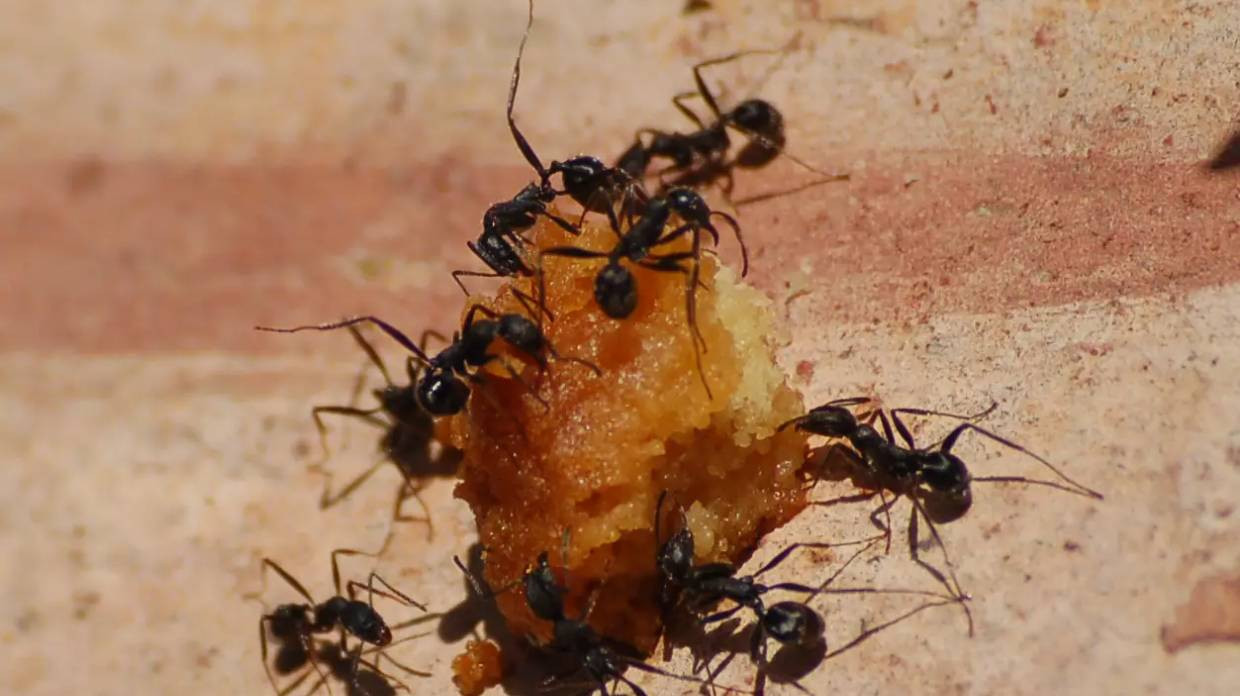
478 668
1211 614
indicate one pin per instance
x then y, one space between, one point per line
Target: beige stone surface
1028 222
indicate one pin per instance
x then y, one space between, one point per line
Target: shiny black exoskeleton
933 472
707 148
571 638
442 389
905 469
615 289
301 622
700 587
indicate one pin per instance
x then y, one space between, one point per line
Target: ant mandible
700 157
351 616
915 472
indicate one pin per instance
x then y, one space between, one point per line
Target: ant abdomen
793 623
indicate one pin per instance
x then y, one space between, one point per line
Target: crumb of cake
478 668
589 467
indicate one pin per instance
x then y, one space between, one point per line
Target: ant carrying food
601 659
698 588
406 443
933 472
299 623
442 389
595 186
700 158
615 288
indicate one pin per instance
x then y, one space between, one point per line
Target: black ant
698 588
615 288
915 472
442 389
408 434
594 185
574 638
699 158
299 623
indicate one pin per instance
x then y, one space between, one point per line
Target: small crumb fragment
1211 614
478 668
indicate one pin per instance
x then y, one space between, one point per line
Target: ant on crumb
442 389
698 588
299 623
932 473
597 656
595 186
406 443
700 158
615 287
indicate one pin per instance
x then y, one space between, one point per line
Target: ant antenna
387 328
522 143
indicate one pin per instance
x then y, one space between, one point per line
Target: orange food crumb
589 467
478 668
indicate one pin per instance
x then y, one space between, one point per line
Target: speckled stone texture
1028 221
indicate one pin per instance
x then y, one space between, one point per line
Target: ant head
361 620
688 205
830 421
580 172
442 393
793 623
536 192
615 291
947 474
759 118
676 556
522 333
543 594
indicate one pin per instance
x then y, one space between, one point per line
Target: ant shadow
526 669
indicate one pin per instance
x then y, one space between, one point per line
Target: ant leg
670 263
959 592
563 224
736 228
288 578
335 556
328 499
950 442
367 415
405 668
410 489
262 642
456 275
679 101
